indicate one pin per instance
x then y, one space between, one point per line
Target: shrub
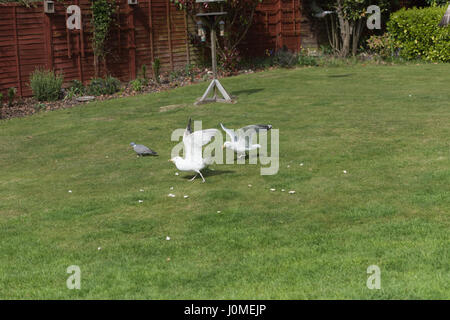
417 34
138 84
304 59
1 98
99 86
77 87
381 45
46 85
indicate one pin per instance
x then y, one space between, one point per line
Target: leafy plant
100 86
143 72
138 84
189 71
156 65
102 19
304 59
46 85
381 45
77 87
11 95
417 34
1 98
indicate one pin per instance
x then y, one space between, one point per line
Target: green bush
304 59
46 85
99 86
417 34
77 87
381 45
138 84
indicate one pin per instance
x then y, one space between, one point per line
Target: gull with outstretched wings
241 141
193 142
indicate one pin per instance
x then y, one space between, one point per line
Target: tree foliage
347 22
239 18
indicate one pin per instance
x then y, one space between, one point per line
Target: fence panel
30 38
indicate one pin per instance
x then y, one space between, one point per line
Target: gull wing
245 134
194 142
188 130
230 133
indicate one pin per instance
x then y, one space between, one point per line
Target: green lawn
387 126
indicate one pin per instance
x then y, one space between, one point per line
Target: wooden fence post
150 24
131 45
16 44
48 35
279 27
188 57
169 33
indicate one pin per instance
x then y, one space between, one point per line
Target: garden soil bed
22 107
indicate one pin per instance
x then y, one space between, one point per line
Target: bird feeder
49 6
222 28
210 19
201 31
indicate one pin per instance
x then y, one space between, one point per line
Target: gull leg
193 178
202 176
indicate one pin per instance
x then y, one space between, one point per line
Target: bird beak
170 160
223 147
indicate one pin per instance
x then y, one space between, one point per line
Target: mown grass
387 126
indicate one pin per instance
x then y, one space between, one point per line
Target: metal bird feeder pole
215 83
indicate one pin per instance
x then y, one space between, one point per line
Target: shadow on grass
208 173
339 75
247 92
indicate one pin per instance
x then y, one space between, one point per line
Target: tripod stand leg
222 90
208 91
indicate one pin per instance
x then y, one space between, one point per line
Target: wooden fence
153 29
30 38
277 23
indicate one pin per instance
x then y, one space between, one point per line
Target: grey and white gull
193 160
241 141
